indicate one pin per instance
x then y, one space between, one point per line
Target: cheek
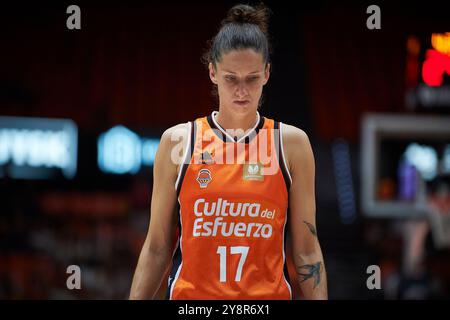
257 86
226 88
225 91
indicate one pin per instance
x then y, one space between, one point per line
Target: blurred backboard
400 156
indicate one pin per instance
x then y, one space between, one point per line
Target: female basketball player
224 204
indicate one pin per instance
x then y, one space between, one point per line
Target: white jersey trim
214 113
284 255
282 152
181 249
186 152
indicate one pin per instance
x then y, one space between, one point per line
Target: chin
243 109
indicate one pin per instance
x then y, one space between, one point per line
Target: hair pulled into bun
244 27
242 13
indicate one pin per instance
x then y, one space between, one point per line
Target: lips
241 103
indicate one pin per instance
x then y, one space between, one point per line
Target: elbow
307 254
160 254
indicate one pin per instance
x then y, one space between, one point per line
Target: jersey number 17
222 251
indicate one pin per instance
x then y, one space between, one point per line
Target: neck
240 122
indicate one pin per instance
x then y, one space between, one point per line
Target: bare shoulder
297 146
173 144
294 137
172 136
176 131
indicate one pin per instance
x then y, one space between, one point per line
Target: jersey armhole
282 158
186 156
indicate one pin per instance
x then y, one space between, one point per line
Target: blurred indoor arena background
81 113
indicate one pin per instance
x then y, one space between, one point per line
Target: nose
241 91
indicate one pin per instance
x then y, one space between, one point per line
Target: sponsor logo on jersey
207 158
204 177
253 172
219 218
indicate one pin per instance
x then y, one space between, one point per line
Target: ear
266 73
212 73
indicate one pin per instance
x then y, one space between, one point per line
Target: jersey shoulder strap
186 159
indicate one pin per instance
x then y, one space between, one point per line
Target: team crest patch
204 177
253 172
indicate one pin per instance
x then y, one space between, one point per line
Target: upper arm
302 203
163 213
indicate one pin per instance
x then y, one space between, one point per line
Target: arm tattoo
311 228
308 271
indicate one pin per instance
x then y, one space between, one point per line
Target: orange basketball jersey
233 204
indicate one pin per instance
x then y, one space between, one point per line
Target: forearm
311 275
149 272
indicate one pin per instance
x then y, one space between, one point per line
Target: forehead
241 61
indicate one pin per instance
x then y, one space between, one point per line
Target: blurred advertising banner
122 151
37 148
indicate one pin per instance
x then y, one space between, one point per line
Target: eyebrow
253 72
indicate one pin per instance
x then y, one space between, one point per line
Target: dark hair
245 27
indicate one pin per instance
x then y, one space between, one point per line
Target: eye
230 78
253 79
